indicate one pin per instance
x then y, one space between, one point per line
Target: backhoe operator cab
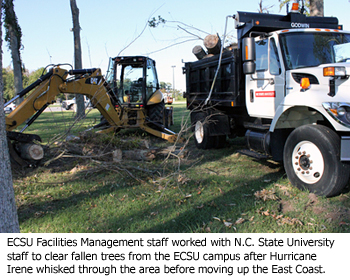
134 81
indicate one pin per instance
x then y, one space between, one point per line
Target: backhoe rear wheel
312 160
156 112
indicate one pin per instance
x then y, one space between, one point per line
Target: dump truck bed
199 79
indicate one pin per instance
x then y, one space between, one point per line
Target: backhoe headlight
340 111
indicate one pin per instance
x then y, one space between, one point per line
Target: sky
109 26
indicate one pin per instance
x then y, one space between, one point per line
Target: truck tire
201 132
220 141
312 160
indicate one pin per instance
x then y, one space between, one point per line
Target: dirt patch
318 210
313 199
338 215
287 206
327 211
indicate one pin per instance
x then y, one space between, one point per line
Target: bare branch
200 38
172 45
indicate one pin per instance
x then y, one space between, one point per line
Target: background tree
312 7
8 83
77 55
28 79
166 86
316 8
14 38
289 2
264 9
15 79
8 210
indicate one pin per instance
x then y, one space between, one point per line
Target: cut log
232 47
143 155
213 44
208 55
117 155
147 155
199 52
172 151
31 151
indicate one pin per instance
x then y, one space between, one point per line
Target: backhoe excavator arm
89 82
41 94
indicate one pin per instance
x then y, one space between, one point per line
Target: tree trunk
77 55
13 37
16 62
316 8
8 210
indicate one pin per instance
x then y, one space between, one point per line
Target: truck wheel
202 137
312 160
220 141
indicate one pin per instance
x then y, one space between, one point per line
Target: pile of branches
102 153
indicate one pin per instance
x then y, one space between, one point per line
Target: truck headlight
339 71
340 111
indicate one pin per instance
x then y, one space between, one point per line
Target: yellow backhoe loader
129 97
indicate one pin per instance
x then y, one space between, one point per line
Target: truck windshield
307 49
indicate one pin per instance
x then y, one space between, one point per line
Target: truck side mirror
248 55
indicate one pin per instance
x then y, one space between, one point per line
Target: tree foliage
154 22
14 39
28 79
11 21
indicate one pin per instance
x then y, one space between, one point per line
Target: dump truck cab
299 77
285 88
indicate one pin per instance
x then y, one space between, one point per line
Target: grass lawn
205 191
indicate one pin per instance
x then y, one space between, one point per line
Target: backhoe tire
156 112
312 160
167 118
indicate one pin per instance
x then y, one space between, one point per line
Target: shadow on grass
173 219
53 206
165 214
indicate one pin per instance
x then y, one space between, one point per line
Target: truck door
265 89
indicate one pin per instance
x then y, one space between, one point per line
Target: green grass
207 191
52 125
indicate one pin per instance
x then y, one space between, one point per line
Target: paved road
57 109
54 109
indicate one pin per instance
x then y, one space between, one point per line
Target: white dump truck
286 88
